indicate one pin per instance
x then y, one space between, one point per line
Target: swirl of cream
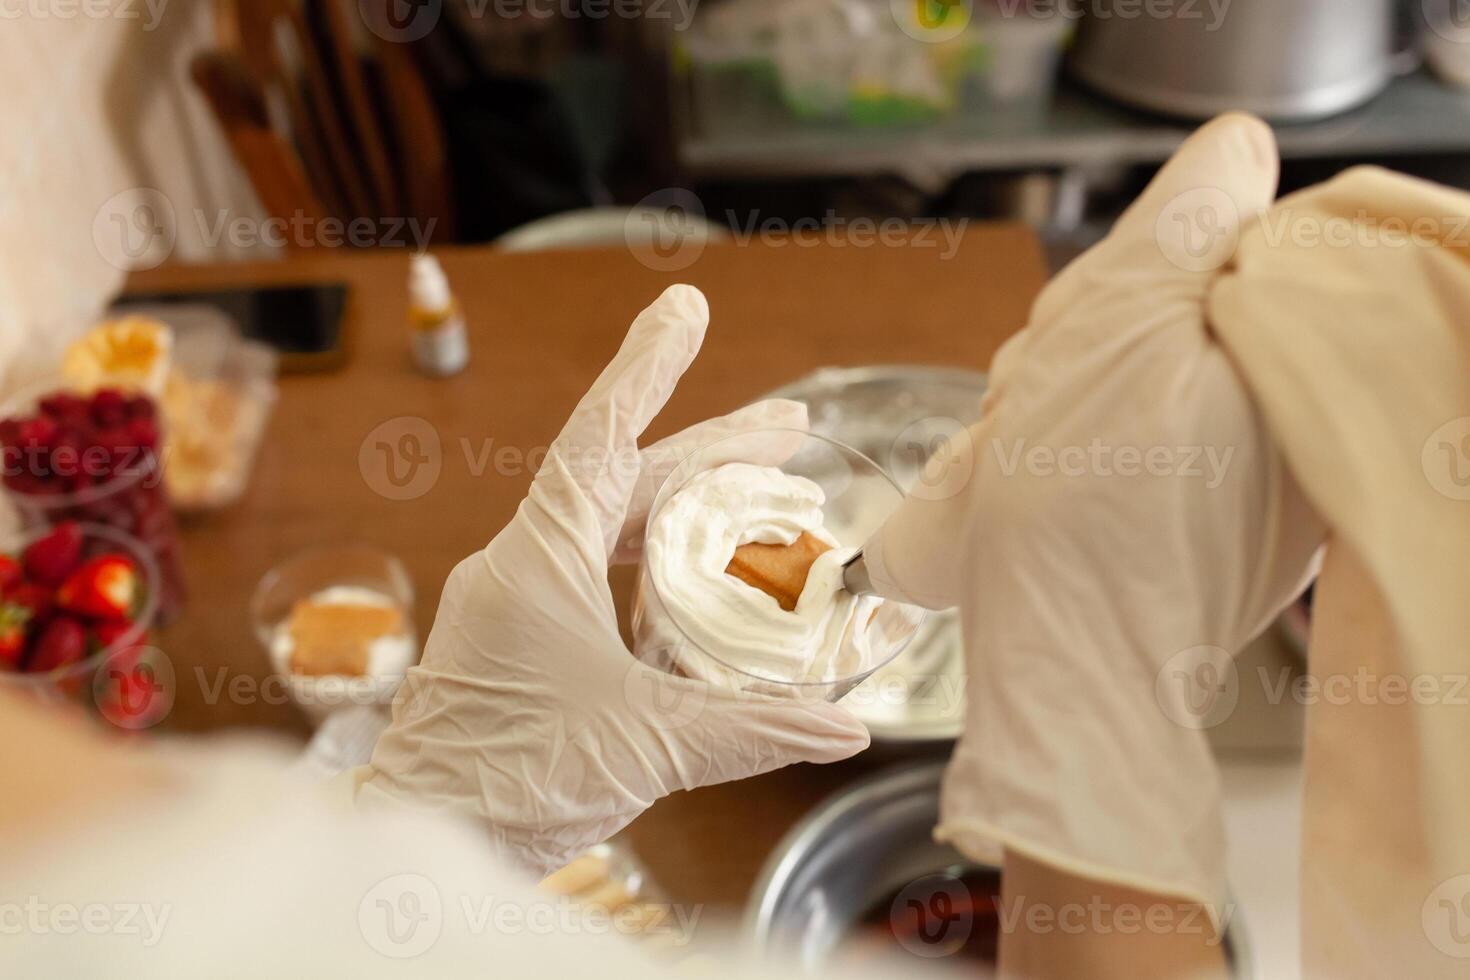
691 542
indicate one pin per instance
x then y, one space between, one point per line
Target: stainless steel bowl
858 849
1283 59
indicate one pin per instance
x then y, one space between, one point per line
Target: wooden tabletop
542 326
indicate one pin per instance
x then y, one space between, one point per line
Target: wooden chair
296 99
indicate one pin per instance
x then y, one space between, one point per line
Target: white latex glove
528 711
1101 608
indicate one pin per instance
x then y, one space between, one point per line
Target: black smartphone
305 324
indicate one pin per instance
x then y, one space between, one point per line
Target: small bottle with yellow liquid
441 344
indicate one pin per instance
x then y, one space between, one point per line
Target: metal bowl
853 854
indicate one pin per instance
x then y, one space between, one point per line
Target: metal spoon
855 576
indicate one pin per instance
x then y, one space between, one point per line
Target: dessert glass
307 574
859 497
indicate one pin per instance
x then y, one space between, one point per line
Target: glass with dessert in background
337 624
741 578
95 458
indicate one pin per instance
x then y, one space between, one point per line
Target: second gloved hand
1117 527
528 711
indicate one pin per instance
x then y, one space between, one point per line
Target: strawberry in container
78 625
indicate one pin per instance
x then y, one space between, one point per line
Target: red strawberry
10 573
50 559
13 620
108 634
37 600
105 588
62 642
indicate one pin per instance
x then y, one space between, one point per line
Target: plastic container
862 64
216 404
126 493
859 495
127 683
1023 55
311 573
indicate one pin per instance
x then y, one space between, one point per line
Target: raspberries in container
96 459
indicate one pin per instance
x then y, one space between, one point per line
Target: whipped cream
691 542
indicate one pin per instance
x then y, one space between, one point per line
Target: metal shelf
1415 114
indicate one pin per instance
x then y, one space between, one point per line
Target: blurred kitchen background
485 116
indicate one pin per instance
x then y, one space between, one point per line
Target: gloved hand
528 711
1126 526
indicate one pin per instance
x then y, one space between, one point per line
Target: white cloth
1115 528
1347 308
242 871
528 711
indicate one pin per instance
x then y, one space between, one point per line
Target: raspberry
141 407
109 407
144 433
39 431
64 406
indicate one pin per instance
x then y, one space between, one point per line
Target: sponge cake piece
778 570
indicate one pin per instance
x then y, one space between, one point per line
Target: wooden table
542 326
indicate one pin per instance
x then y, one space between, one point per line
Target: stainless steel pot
855 852
1283 59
